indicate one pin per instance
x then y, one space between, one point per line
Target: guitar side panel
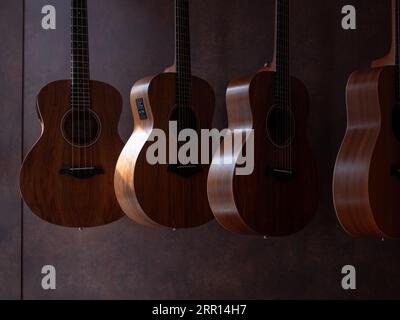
61 199
351 188
223 167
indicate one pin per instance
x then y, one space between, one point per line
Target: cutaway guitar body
366 183
73 186
162 195
67 178
280 197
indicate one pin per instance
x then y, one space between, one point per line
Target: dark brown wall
10 146
131 39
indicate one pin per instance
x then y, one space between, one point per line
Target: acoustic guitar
67 178
280 197
366 184
171 194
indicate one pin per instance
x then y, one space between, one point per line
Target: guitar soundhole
185 118
280 126
396 121
81 128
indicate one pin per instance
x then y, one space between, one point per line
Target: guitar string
72 86
287 148
282 102
286 116
283 106
287 130
87 70
186 54
83 84
178 80
285 111
292 114
277 80
76 86
189 66
277 76
180 58
183 67
290 119
81 88
281 87
184 63
178 68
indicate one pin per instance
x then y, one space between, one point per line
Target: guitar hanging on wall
366 184
280 197
67 178
170 195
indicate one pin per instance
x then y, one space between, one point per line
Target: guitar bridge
280 174
185 171
82 173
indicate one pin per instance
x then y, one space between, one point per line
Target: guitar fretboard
80 69
182 54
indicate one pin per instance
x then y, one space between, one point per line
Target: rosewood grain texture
150 194
60 199
258 204
365 191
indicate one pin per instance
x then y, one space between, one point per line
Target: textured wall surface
131 39
11 16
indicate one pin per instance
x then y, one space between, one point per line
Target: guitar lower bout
67 177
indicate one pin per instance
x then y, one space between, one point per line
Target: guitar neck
80 68
183 53
282 52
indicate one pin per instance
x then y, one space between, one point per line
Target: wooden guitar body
262 203
155 195
49 184
366 184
